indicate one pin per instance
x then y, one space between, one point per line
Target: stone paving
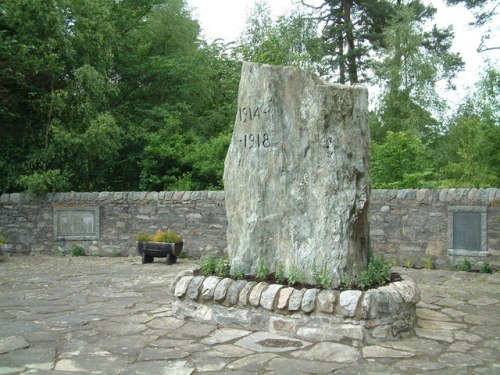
69 315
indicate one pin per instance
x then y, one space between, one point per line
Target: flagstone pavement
83 315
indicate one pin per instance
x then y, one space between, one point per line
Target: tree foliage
106 95
125 95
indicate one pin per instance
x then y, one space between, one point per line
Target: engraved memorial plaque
467 230
76 223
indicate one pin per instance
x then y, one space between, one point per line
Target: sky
226 19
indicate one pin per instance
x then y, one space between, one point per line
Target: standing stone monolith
297 175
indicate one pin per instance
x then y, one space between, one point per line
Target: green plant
485 268
183 255
2 240
428 262
466 265
222 267
237 274
167 236
325 279
78 251
143 237
347 282
115 253
293 277
280 273
394 262
321 278
378 273
409 263
208 265
262 272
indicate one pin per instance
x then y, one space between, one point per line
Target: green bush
321 278
78 251
378 273
485 268
262 272
237 274
2 240
293 277
208 265
222 267
462 266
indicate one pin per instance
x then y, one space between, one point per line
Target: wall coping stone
453 196
114 196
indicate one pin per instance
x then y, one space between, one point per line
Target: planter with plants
163 244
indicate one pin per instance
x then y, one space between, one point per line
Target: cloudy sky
226 19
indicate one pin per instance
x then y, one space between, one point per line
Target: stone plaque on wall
467 230
76 223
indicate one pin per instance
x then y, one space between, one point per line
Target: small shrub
237 274
293 277
262 272
409 263
115 253
428 262
321 278
2 240
466 266
208 265
280 273
222 267
167 236
183 255
143 237
347 282
78 251
485 268
378 273
325 279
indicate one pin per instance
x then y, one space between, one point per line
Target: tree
401 162
468 154
412 62
290 40
351 33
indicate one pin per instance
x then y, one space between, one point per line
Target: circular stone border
362 317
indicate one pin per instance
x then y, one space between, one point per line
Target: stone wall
28 223
407 225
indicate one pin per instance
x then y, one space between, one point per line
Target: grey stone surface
222 288
295 301
194 287
182 286
326 301
110 292
348 301
268 297
309 300
208 288
256 293
304 145
401 229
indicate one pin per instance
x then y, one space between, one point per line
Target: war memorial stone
297 188
297 175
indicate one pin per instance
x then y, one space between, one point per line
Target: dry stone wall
407 225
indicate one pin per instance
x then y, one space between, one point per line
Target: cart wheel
147 258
